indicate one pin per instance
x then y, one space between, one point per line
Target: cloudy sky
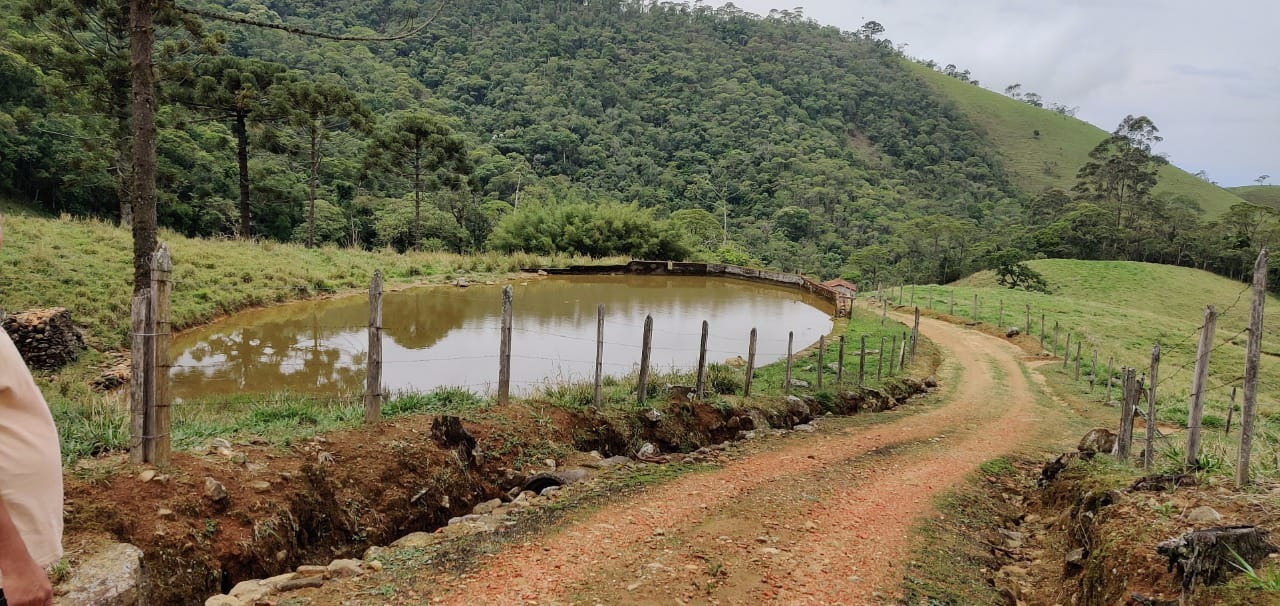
1207 72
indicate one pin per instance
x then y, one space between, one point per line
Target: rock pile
258 591
46 338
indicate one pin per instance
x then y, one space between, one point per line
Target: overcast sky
1207 72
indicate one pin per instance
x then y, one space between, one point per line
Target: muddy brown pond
444 336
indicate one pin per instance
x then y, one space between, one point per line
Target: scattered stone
166 514
374 565
542 272
1075 560
147 476
223 600
301 582
341 569
461 283
1012 332
487 507
806 427
46 338
308 570
1204 515
930 382
273 582
217 443
549 491
111 577
214 490
770 550
260 486
418 539
1098 440
550 463
613 461
799 383
249 591
653 415
647 450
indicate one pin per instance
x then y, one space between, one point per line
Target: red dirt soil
824 518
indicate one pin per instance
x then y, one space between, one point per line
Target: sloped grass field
86 266
1264 195
1051 159
1121 309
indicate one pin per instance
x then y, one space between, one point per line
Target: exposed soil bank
334 496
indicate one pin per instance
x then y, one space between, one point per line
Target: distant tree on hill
1122 169
1262 179
420 148
871 29
314 108
1012 272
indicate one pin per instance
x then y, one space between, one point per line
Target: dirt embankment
336 495
823 518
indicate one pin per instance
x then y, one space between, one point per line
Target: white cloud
1205 72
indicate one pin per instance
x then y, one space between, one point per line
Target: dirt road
823 518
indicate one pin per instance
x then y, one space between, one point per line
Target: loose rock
110 577
1204 515
214 490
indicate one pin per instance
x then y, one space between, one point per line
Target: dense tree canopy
767 140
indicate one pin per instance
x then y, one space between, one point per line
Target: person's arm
25 582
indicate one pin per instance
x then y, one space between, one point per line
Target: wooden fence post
595 399
840 363
862 362
1110 373
1028 325
1093 371
880 359
1066 353
951 311
646 346
373 367
161 287
786 385
913 295
1000 316
1042 331
1079 342
137 380
1231 409
902 353
1148 453
702 363
504 350
751 364
1054 351
1196 410
915 336
893 347
884 310
1253 351
975 308
822 346
1129 392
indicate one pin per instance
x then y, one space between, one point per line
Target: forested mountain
653 129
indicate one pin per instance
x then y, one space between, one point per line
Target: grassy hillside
1265 195
85 266
1052 159
1122 308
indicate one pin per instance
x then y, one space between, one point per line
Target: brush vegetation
1262 195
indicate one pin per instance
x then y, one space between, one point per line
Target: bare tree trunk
143 108
242 164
